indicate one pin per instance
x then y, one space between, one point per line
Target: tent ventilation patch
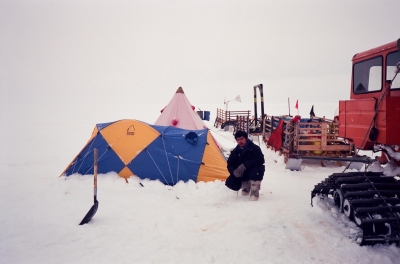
191 138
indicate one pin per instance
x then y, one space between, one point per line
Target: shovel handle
95 173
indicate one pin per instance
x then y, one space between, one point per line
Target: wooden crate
317 137
229 117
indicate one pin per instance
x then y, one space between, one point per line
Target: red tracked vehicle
371 121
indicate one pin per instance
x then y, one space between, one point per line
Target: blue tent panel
101 126
107 159
171 158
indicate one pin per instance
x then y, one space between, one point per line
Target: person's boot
255 190
245 188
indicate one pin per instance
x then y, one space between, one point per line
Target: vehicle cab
372 115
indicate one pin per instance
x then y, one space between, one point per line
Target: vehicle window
391 62
367 76
375 78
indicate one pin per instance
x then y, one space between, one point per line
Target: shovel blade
90 214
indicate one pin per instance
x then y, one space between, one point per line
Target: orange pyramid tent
180 113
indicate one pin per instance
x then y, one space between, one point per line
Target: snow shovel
92 210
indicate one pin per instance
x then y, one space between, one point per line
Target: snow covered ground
188 223
68 65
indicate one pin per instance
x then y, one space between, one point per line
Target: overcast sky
129 52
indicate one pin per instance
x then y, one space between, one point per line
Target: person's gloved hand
239 171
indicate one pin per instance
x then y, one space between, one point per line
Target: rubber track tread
373 198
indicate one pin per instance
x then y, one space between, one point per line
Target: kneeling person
246 167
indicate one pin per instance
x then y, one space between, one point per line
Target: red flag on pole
297 104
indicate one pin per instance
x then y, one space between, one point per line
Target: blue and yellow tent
169 154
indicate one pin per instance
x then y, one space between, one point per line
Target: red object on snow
275 140
297 104
296 118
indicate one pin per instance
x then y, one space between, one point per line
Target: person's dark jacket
252 158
